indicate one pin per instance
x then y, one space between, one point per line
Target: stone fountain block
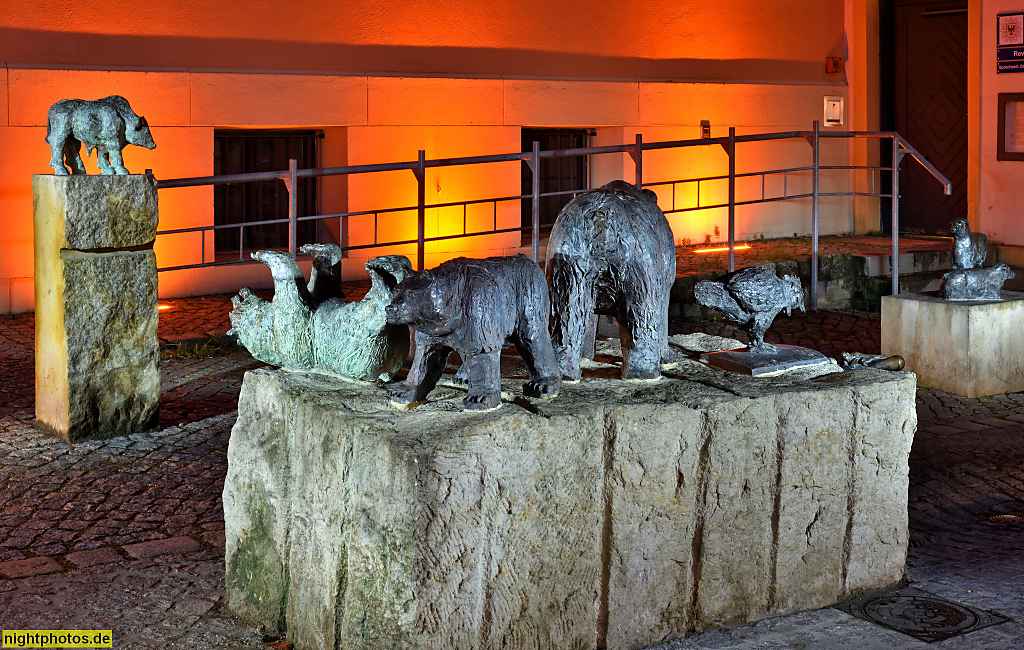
616 515
96 305
965 347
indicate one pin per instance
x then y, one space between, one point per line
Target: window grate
240 152
556 174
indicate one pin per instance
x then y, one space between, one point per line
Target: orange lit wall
386 79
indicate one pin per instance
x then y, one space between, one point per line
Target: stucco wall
1000 182
687 39
454 78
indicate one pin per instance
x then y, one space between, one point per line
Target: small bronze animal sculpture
857 360
753 297
975 284
611 252
475 307
969 250
295 331
105 126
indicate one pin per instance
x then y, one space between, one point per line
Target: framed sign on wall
1010 42
1011 127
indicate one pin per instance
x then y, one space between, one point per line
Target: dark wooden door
931 111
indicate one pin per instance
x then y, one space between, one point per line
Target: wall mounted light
705 129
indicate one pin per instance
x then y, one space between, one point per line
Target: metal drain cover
920 614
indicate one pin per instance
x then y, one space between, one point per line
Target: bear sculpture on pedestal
475 307
105 126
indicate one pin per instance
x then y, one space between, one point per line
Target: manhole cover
920 614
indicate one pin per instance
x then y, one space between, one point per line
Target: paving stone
162 547
29 567
83 559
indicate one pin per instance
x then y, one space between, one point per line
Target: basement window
263 150
568 175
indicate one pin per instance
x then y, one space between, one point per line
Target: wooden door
931 111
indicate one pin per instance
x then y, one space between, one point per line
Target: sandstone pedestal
96 305
616 515
972 348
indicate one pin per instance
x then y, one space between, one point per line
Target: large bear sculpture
611 252
476 307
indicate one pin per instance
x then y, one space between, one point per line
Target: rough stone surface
96 370
614 516
96 306
95 212
970 348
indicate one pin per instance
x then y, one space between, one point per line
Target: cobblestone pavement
127 534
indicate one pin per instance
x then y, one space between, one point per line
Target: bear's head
418 302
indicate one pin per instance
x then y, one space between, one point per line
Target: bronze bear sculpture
475 307
611 252
105 126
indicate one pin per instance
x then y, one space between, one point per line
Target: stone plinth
96 305
616 515
966 347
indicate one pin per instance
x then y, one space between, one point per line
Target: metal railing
900 149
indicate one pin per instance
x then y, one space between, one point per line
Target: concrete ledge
615 515
970 348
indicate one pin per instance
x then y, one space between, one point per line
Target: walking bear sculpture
475 307
611 252
752 297
105 126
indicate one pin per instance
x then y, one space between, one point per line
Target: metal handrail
900 148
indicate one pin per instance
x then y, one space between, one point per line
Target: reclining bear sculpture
352 339
475 307
611 252
105 126
975 284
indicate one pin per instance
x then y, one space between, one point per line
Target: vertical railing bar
639 161
732 198
464 219
535 188
293 208
421 212
241 241
494 214
896 156
816 153
202 242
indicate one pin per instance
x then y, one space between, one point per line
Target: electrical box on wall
833 111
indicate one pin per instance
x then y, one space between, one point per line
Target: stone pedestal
96 305
971 348
616 515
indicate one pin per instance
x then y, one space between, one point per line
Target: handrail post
732 198
421 210
535 236
639 160
816 153
293 209
897 156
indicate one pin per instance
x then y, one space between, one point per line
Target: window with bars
240 152
556 174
